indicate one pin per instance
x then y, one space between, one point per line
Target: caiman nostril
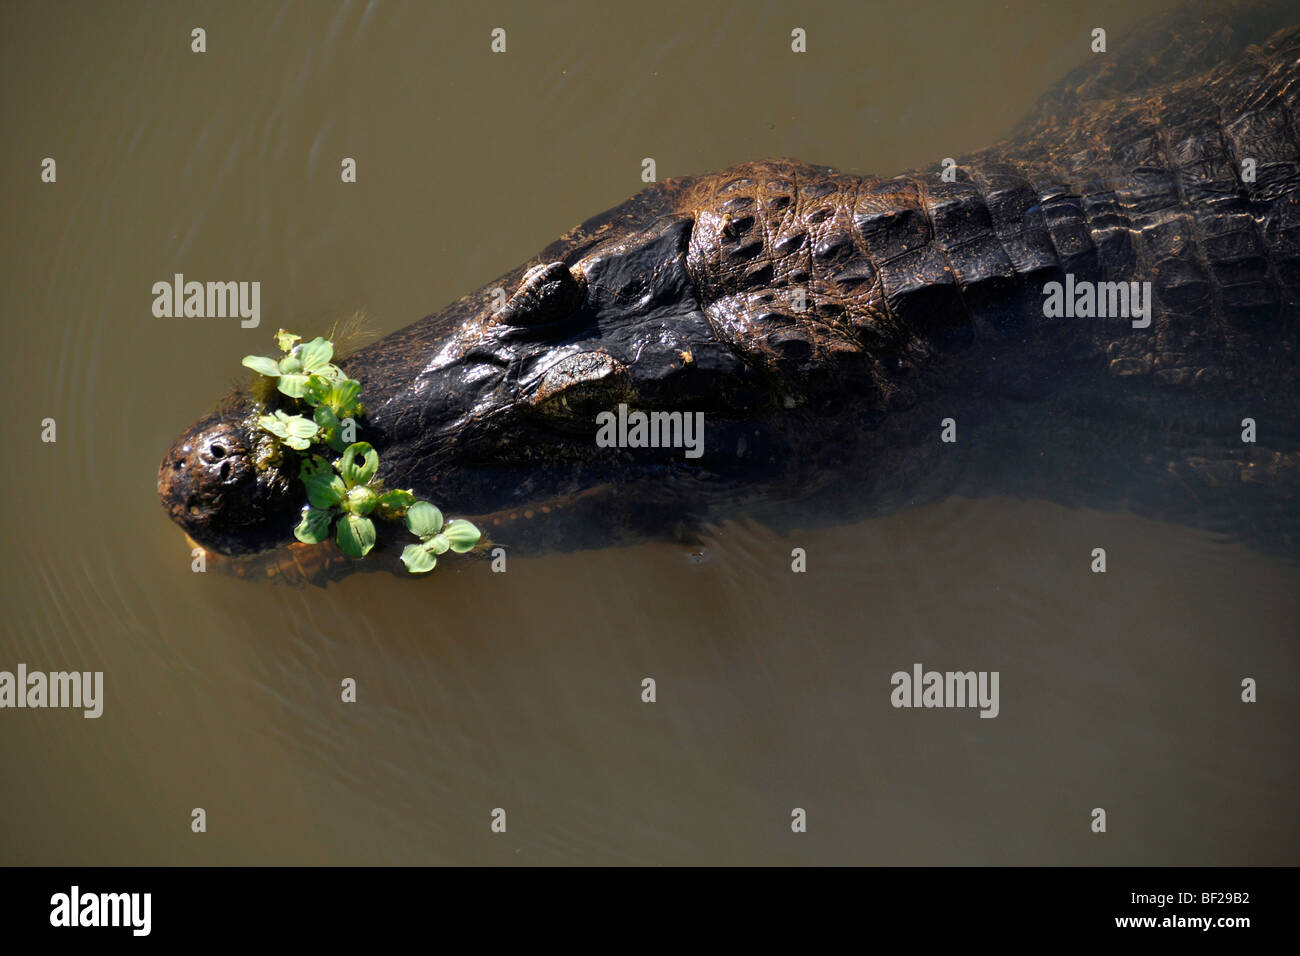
224 470
218 451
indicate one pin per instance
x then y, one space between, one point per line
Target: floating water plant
343 494
299 365
340 491
335 400
294 430
425 522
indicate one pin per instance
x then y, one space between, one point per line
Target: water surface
522 690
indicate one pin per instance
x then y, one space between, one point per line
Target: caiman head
492 405
211 487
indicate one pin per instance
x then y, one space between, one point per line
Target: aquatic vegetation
341 491
294 430
343 494
426 522
335 400
300 364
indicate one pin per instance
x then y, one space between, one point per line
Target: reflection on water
523 690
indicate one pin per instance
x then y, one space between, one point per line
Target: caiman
1089 311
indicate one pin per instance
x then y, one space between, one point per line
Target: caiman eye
547 294
580 386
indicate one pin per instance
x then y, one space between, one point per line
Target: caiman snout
210 487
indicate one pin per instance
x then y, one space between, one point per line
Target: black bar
326 906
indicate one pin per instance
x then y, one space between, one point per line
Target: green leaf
343 396
329 428
356 535
318 386
292 384
290 366
340 394
315 354
286 340
417 559
324 488
314 526
359 473
392 505
273 425
462 535
361 500
325 418
396 500
300 427
262 365
293 430
423 520
438 544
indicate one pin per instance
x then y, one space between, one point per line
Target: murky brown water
522 690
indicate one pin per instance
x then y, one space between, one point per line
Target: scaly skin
923 300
